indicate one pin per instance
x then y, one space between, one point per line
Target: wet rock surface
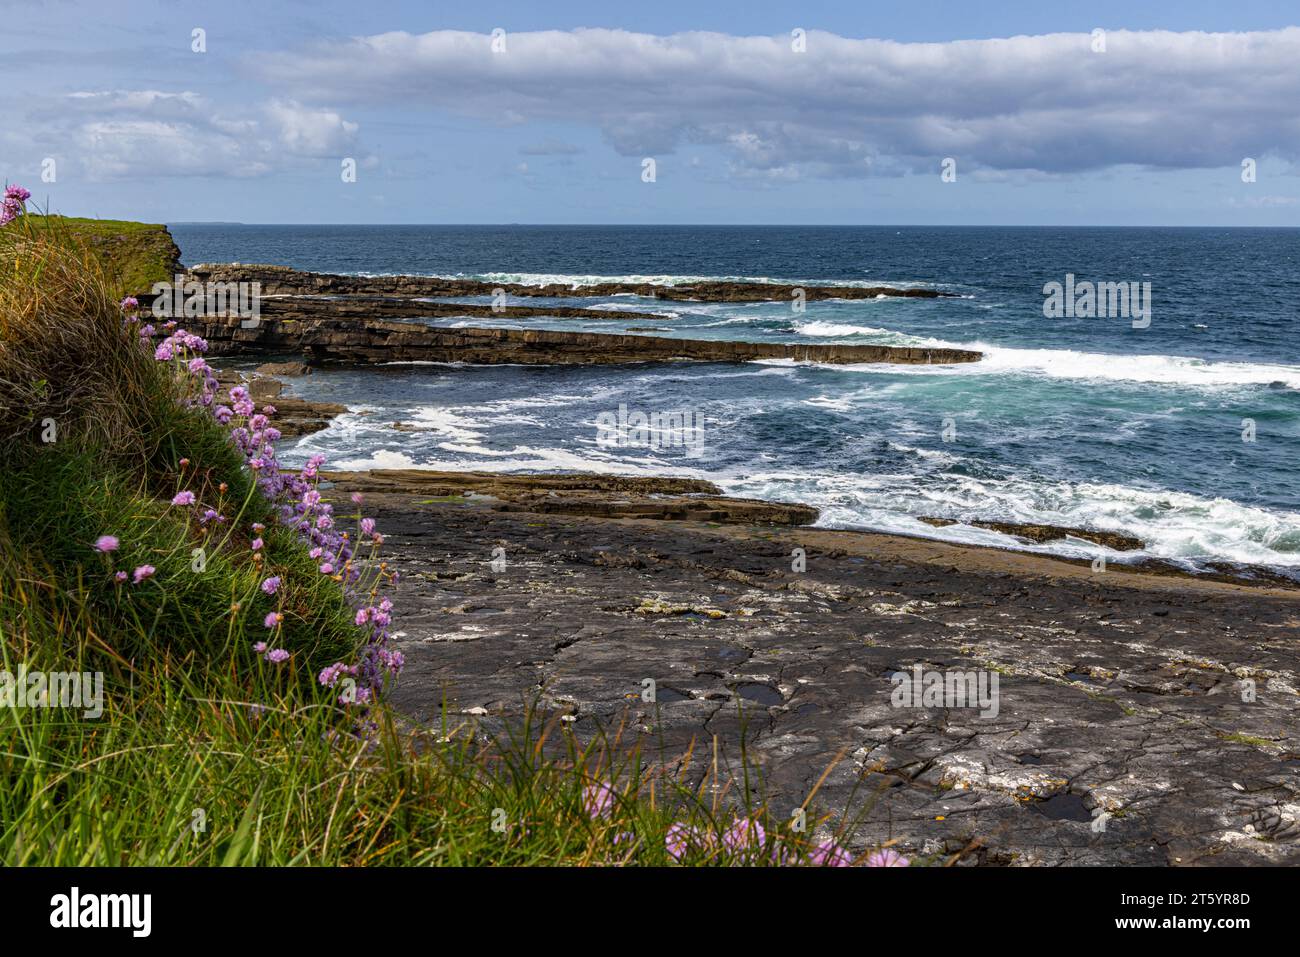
368 341
1049 533
310 308
1121 736
581 494
281 280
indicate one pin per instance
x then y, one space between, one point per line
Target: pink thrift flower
106 543
680 839
327 569
143 572
119 577
259 647
272 619
830 854
886 857
183 498
745 834
271 585
256 545
277 655
330 675
598 800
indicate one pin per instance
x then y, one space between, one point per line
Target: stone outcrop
605 496
330 318
305 308
281 280
371 341
1048 533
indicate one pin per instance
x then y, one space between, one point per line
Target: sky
1171 112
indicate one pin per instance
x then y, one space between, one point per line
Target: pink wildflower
598 800
886 857
830 854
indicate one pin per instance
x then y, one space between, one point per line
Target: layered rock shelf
602 496
369 341
283 281
312 308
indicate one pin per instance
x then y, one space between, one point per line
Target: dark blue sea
1183 431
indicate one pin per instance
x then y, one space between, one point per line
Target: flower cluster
745 839
297 504
14 204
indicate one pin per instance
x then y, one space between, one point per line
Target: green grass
136 255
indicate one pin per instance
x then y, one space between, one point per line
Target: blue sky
744 122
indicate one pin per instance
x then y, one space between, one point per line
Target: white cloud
845 107
306 132
114 134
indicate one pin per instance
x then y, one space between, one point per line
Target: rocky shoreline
1124 734
284 281
598 495
368 342
327 318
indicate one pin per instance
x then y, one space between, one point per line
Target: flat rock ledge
1048 533
282 280
363 341
1124 733
604 496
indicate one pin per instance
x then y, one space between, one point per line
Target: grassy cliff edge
134 255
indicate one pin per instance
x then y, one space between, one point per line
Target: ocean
1183 431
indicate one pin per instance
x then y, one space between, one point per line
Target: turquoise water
1080 422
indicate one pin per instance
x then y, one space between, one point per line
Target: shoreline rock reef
286 281
371 342
376 319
